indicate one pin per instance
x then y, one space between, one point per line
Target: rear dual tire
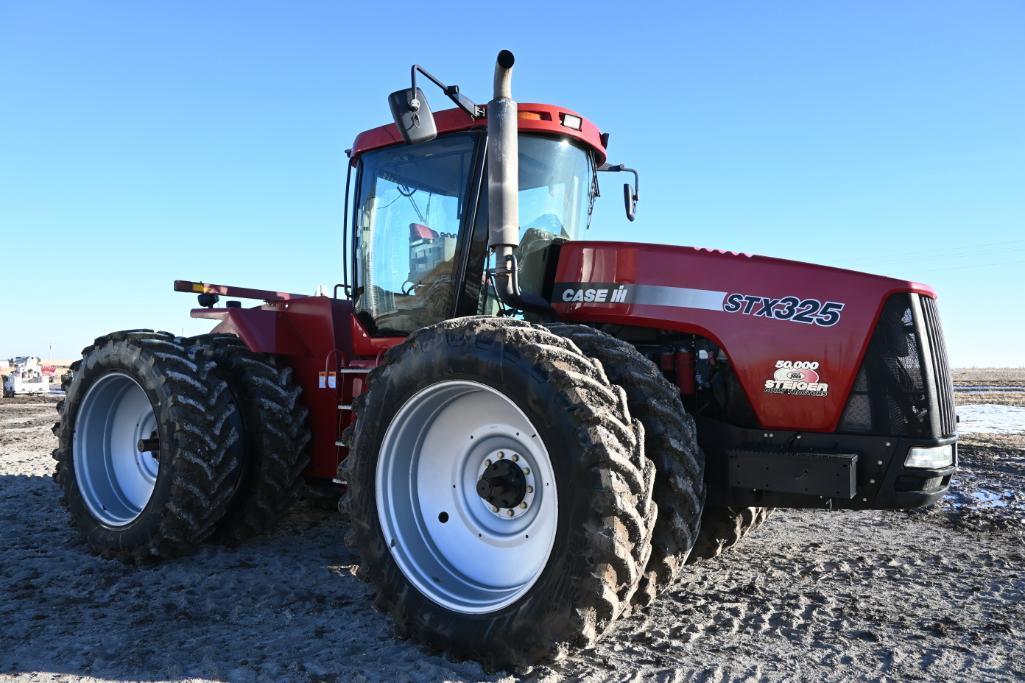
516 388
275 435
143 505
225 432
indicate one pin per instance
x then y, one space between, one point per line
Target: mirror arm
451 91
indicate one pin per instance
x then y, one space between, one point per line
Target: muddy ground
934 595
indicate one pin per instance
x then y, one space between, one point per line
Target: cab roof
533 118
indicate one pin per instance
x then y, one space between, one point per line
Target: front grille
891 396
941 367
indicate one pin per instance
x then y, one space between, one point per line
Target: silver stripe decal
680 297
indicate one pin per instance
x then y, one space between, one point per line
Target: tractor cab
421 222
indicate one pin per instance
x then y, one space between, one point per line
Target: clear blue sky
140 143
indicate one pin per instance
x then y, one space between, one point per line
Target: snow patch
989 418
991 499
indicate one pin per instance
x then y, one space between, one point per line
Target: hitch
216 291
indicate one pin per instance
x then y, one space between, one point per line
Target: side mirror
631 195
412 115
630 200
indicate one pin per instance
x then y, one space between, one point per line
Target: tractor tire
444 415
274 434
722 528
127 502
670 441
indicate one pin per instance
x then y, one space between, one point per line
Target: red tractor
535 433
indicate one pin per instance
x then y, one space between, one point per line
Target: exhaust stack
503 160
503 191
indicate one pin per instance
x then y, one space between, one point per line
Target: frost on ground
938 594
988 418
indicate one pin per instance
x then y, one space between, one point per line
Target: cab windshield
414 201
556 186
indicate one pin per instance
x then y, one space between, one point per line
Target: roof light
530 116
931 458
571 121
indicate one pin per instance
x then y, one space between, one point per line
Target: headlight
932 458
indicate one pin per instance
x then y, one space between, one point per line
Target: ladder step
340 444
355 371
344 406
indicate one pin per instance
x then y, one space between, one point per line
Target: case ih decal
791 308
648 295
796 378
592 293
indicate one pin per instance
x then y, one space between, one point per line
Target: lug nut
501 455
530 489
526 471
523 505
515 457
487 463
510 513
494 508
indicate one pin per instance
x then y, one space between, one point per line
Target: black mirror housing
630 200
412 115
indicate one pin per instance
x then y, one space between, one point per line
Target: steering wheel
408 287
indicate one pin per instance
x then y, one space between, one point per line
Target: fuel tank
796 333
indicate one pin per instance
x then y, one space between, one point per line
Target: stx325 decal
790 308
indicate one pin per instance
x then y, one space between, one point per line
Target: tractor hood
759 310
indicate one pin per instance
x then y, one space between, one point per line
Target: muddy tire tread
724 527
276 435
670 443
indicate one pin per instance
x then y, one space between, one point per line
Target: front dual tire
492 571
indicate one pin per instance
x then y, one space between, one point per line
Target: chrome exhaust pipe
503 161
503 191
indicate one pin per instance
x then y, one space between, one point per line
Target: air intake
940 366
903 387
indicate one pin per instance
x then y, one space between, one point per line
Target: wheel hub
506 484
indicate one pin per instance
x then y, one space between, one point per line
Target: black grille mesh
889 395
941 367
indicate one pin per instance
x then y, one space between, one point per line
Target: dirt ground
933 595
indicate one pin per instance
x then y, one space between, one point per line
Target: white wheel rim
476 560
116 480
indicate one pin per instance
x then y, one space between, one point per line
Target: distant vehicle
26 377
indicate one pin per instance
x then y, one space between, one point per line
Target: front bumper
772 468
